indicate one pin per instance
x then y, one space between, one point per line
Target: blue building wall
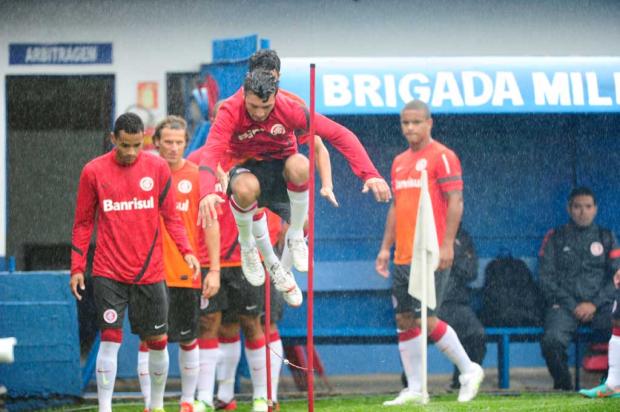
39 310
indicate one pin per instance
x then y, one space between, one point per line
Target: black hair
264 59
262 83
581 191
129 123
417 105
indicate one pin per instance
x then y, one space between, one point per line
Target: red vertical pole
310 338
267 337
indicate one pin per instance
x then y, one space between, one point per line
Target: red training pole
310 338
268 337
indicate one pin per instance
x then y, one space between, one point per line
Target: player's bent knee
245 188
297 169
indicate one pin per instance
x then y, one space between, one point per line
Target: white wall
151 38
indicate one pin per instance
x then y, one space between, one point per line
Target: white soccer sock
277 354
230 355
299 211
209 352
260 230
159 362
449 344
106 373
143 374
255 355
189 367
411 357
243 218
613 375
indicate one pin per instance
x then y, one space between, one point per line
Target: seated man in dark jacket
577 262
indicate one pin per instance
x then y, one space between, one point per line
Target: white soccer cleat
284 281
299 252
406 397
252 267
260 405
470 383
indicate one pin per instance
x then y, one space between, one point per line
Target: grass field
484 402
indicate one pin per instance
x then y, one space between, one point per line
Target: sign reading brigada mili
60 53
459 85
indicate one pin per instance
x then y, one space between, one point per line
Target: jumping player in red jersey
445 186
170 138
256 129
125 192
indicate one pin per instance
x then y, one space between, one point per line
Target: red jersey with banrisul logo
126 201
235 137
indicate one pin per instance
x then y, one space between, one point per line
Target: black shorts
270 175
148 306
404 302
615 313
236 295
277 305
183 314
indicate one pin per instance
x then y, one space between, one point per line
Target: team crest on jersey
277 129
596 248
184 186
146 183
110 316
420 165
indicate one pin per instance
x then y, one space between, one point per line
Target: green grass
484 402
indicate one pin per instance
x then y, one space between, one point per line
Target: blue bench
502 336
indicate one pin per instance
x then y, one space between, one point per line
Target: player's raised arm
349 145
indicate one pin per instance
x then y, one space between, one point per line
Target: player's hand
379 188
585 311
617 279
382 263
328 193
446 256
222 177
207 210
77 282
193 264
211 284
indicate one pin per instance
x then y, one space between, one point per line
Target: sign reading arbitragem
60 53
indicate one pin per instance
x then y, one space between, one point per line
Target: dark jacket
577 265
464 270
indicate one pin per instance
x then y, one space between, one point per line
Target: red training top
127 202
235 136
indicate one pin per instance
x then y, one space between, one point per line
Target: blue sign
60 53
458 85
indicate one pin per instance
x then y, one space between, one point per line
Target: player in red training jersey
445 185
125 192
184 290
256 129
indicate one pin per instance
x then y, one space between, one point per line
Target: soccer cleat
601 391
186 407
225 406
202 406
260 405
299 252
293 297
406 397
252 266
470 383
284 281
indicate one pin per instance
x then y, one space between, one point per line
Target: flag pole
310 337
424 302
